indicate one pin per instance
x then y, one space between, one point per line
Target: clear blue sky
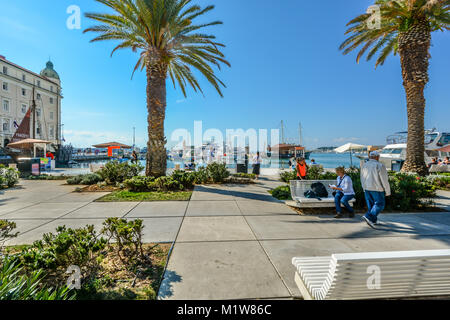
285 66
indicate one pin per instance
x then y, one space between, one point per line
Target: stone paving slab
44 210
102 210
161 229
36 234
221 270
159 209
24 226
215 229
211 193
281 253
213 208
397 243
284 227
438 217
77 197
406 224
8 206
258 207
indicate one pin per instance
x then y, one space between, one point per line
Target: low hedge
408 191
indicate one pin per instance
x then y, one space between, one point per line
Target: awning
445 148
27 143
349 147
112 144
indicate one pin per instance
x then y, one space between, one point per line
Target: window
444 140
5 86
38 112
51 100
38 96
38 128
51 88
6 105
24 92
24 77
6 125
39 83
24 108
51 131
5 70
51 115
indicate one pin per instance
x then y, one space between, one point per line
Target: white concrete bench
438 168
299 187
351 275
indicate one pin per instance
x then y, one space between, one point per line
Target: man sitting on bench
343 193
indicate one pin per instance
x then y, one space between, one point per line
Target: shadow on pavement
166 289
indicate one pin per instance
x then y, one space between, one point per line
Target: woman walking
302 169
257 165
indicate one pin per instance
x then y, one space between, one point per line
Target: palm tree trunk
414 45
156 105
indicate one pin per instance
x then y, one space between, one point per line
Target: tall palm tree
170 45
405 28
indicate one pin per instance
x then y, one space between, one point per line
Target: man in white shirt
375 182
343 193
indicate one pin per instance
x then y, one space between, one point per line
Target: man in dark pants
375 182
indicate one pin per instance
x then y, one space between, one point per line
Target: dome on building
49 72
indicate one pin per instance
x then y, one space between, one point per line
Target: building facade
17 87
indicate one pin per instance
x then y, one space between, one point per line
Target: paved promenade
231 241
237 242
39 207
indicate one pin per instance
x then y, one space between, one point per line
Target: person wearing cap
375 183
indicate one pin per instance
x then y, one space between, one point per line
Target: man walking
375 182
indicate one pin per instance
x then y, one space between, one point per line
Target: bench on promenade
299 187
439 168
400 274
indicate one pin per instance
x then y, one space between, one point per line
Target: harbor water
327 160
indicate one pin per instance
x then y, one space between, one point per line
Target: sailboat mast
300 133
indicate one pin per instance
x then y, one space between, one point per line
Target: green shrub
56 252
314 173
16 284
9 177
187 179
164 184
245 175
408 191
282 193
217 172
47 177
75 180
139 183
287 176
90 179
201 176
128 237
440 181
115 172
6 232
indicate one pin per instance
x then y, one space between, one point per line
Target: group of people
375 183
439 161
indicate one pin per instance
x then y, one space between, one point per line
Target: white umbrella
349 147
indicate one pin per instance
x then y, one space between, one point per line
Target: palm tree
170 45
405 28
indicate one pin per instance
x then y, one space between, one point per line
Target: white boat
394 153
